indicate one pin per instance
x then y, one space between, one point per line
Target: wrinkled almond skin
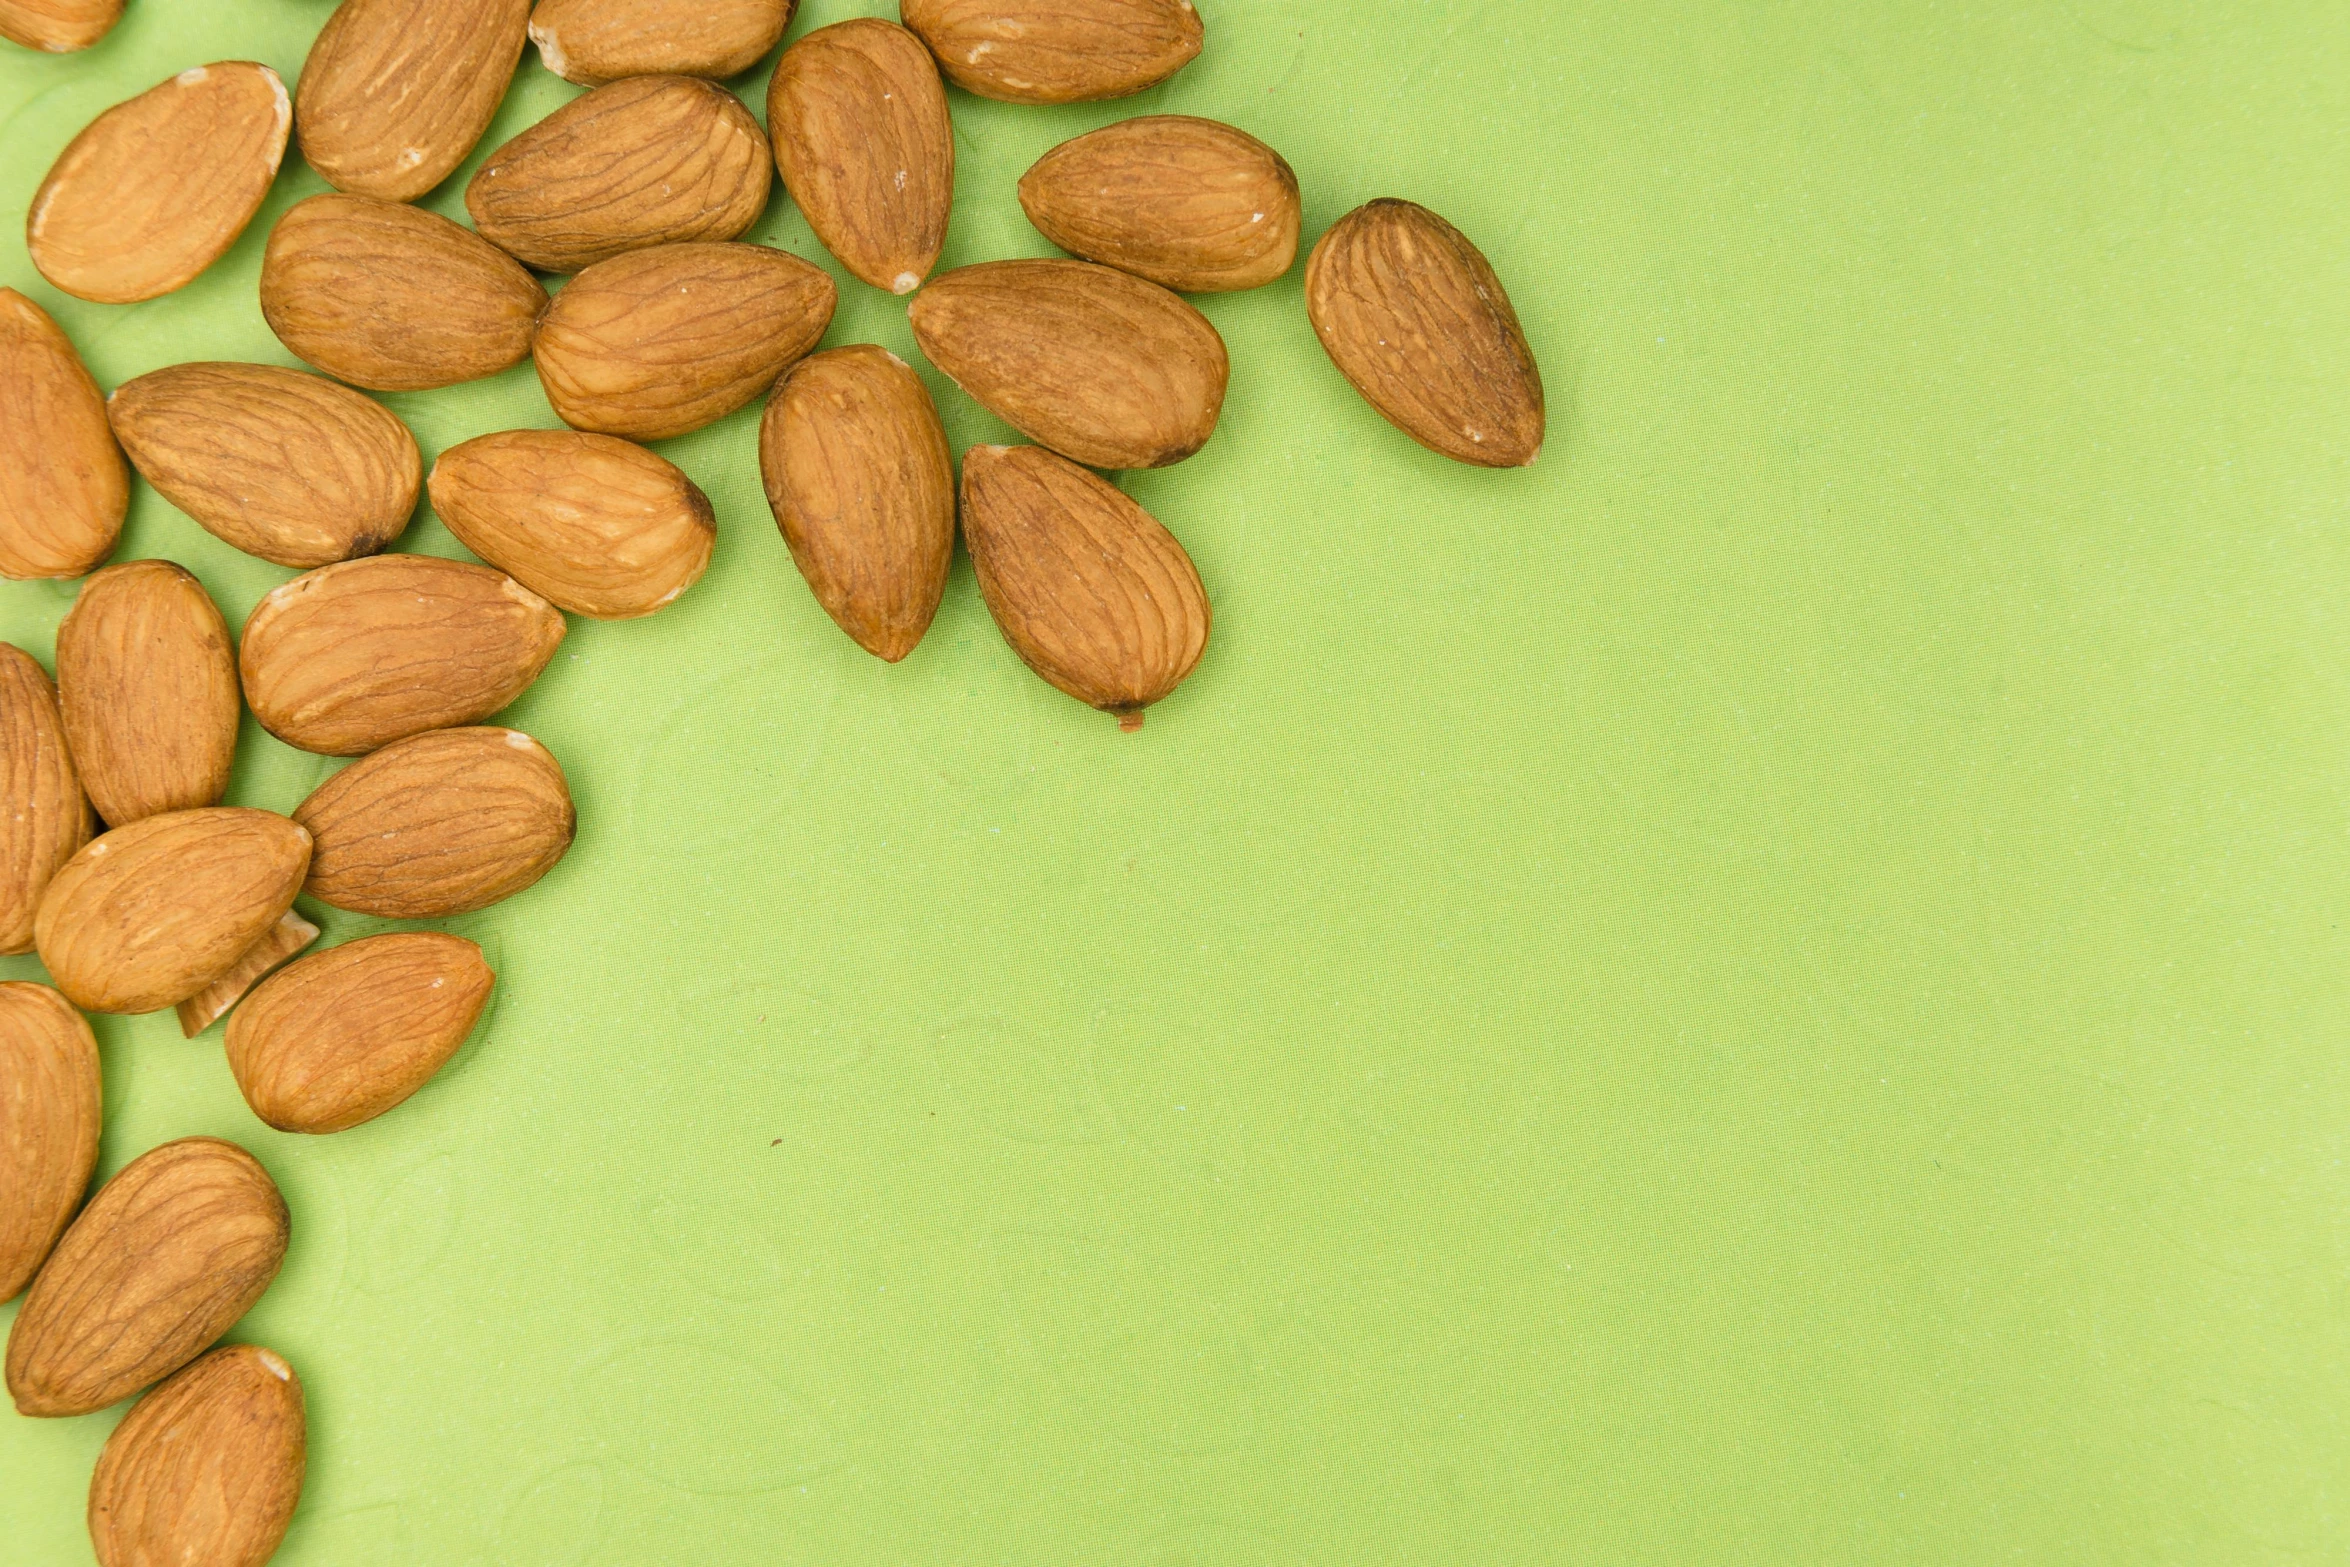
862 484
147 682
49 1104
1193 205
663 341
341 1037
1412 315
1105 369
1090 590
279 463
204 1471
1056 51
394 298
357 655
46 819
441 824
281 941
395 93
58 26
597 41
63 486
158 188
861 134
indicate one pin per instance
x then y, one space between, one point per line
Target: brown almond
49 1099
43 817
1413 316
1056 51
659 342
147 681
63 487
862 484
862 136
1090 590
206 1469
1193 205
58 26
441 824
281 941
394 298
1101 367
158 188
597 41
341 1037
395 93
169 1254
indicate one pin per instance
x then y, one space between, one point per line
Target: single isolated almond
862 484
280 463
205 1469
147 681
597 41
58 26
156 189
1413 316
45 819
63 487
1193 205
355 656
281 941
169 1254
866 149
1056 51
49 1099
1101 367
1090 590
441 824
395 93
394 298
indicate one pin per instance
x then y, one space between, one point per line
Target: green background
1769 990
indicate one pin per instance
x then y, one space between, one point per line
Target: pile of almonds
640 189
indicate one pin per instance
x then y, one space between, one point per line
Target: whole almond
441 824
281 941
1413 316
63 487
58 26
282 464
862 484
395 93
357 655
206 1469
147 681
394 298
1090 590
341 1037
659 342
43 817
1101 367
49 1099
1056 51
1190 204
597 41
164 1260
598 525
862 137
156 189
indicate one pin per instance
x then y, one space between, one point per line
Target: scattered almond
1056 51
147 681
395 93
63 488
281 941
46 819
49 1098
597 41
1193 205
58 26
206 1469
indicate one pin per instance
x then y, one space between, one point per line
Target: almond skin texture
442 824
284 465
204 1470
394 298
63 487
281 941
1103 368
648 161
49 1101
1193 205
1090 590
1056 51
161 1263
147 682
596 41
396 92
659 342
341 1037
58 26
863 487
155 190
1412 315
46 819
599 526
862 137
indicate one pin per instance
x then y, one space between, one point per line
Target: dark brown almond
1193 205
49 1100
598 41
147 683
206 1470
1056 51
395 93
58 26
63 487
45 819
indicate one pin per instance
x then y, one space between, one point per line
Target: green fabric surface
1770 990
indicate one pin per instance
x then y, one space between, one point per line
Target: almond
63 488
161 1263
659 342
1413 316
396 92
156 189
147 681
49 1097
281 941
1101 367
341 1037
598 41
58 26
1090 590
441 824
862 137
45 817
206 1469
1056 51
1190 204
863 486
393 298
598 525
354 656
281 464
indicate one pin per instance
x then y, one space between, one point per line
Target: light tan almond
281 941
355 656
395 93
862 136
441 824
49 1099
597 41
1413 316
204 1471
1103 368
1056 51
58 26
63 487
863 486
394 298
1190 204
45 819
147 681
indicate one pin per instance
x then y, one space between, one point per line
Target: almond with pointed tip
395 93
49 1102
1193 205
206 1469
46 818
58 26
597 41
281 941
1056 51
147 683
63 487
